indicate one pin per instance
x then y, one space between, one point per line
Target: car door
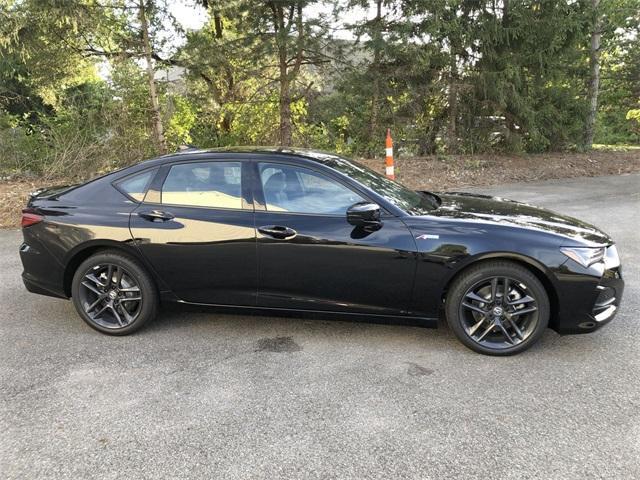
196 228
310 257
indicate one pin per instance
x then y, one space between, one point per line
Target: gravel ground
202 394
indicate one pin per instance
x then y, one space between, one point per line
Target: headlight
611 258
585 256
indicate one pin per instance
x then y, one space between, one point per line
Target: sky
189 15
193 17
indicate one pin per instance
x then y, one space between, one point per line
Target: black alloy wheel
498 308
113 293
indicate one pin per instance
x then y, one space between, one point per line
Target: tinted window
206 184
401 196
136 186
417 203
295 189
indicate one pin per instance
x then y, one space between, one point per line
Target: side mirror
365 215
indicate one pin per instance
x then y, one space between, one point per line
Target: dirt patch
440 173
13 198
436 172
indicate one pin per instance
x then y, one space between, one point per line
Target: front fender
447 248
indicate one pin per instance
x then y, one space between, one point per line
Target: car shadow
249 325
218 321
321 329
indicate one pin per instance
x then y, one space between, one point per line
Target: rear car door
310 257
195 226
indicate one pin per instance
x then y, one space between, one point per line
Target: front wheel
113 293
497 308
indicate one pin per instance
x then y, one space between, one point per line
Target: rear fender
80 253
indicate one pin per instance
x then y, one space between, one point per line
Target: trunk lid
48 193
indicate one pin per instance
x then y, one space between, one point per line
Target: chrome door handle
277 231
156 215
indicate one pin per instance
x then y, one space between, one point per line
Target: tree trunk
452 131
427 142
156 119
284 99
229 95
594 81
283 23
285 109
228 117
217 22
375 91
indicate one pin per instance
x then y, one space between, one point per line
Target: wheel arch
538 269
87 249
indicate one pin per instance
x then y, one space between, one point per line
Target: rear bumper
42 273
34 286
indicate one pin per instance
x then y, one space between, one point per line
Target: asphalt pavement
211 395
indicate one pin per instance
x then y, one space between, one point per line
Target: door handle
277 231
156 215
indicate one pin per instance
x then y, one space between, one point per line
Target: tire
117 307
485 320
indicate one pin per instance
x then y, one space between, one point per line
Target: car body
258 230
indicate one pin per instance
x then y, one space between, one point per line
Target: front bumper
587 303
607 302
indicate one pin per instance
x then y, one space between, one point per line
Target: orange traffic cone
389 158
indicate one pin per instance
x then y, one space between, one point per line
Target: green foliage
182 119
634 115
446 76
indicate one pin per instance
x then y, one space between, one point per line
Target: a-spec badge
426 236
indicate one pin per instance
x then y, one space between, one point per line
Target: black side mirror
365 215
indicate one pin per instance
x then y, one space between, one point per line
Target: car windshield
416 203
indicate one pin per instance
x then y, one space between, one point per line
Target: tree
377 51
376 40
143 9
594 80
78 79
113 30
620 73
280 30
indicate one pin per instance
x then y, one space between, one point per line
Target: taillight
29 217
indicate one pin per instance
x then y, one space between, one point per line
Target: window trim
116 183
261 204
245 184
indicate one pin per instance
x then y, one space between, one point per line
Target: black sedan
304 231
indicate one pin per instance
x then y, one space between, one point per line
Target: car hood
500 211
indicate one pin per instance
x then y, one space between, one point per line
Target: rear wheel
113 293
497 308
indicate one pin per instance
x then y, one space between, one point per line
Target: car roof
315 155
326 159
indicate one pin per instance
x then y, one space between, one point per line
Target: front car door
311 258
196 228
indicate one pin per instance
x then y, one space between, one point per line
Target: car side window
136 185
288 188
204 184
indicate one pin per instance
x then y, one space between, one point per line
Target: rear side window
205 184
136 186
